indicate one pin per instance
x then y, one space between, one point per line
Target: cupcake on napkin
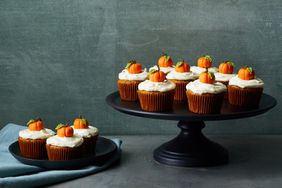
32 141
157 93
181 76
245 89
129 79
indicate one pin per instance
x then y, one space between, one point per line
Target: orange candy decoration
64 130
35 125
246 73
157 75
207 77
226 67
165 61
80 123
181 66
133 67
205 62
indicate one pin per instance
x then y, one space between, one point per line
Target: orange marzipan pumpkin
80 123
205 62
226 67
35 124
157 75
207 77
64 130
133 67
182 66
165 61
246 73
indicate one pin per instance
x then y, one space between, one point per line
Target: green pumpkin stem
60 125
180 63
208 57
130 63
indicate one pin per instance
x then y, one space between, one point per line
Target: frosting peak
125 75
174 75
148 85
254 83
200 88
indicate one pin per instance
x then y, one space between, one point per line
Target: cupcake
65 145
156 94
205 96
245 89
165 64
181 76
225 73
89 134
129 79
32 141
203 63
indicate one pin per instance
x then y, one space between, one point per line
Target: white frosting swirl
125 75
223 77
42 134
86 133
174 75
164 69
254 83
148 85
199 70
71 142
200 88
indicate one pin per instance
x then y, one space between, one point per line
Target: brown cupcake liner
205 103
32 148
127 89
245 97
156 101
225 93
57 153
180 90
89 145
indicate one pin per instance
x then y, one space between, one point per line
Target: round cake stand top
180 110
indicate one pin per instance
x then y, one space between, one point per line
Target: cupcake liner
89 145
32 148
245 97
57 153
226 84
156 101
180 90
205 103
127 89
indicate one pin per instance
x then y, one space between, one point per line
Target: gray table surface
255 161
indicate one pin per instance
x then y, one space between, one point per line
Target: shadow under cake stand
191 148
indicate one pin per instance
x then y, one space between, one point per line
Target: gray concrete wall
59 59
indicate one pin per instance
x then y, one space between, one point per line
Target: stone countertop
255 161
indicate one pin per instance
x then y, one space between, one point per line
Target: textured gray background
59 59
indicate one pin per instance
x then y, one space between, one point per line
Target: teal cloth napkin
15 174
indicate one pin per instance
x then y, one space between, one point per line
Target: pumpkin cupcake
129 79
203 63
65 145
225 73
205 96
245 89
181 76
157 93
32 140
165 64
89 134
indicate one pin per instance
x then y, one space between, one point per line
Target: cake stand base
191 148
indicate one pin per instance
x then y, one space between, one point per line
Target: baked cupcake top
156 82
206 84
65 137
181 72
133 71
165 63
36 130
203 63
82 128
225 71
246 79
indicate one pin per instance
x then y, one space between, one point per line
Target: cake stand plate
191 148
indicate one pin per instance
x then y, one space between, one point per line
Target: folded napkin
15 174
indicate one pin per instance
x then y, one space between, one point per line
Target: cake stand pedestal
191 148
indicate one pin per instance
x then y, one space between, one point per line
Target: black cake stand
191 148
